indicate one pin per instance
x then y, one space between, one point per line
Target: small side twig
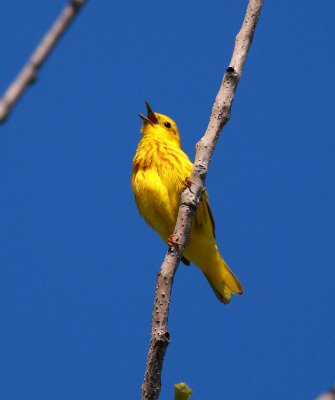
29 72
160 336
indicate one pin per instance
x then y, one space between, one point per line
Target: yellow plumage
160 172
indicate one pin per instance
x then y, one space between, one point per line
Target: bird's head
159 126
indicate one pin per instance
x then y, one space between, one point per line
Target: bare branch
160 336
29 72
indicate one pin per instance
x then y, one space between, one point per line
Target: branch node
201 169
33 78
192 205
77 3
165 337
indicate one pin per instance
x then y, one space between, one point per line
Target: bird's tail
222 280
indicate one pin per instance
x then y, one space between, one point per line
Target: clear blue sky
78 264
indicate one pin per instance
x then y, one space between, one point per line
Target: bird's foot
188 183
172 242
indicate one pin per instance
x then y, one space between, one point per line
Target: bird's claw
188 183
172 242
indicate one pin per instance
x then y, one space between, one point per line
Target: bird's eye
167 124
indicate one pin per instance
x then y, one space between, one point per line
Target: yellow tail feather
223 281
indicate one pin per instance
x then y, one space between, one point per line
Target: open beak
151 119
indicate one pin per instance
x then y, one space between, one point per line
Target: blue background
78 264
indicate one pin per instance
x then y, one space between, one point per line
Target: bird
160 172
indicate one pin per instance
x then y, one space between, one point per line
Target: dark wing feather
210 213
204 211
185 261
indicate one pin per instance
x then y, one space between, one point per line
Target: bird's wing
204 216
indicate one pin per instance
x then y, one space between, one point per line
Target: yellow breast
159 173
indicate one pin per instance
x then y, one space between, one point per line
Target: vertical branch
160 336
29 72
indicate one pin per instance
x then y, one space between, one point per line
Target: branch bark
29 72
160 336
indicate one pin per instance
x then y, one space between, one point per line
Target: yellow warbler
160 172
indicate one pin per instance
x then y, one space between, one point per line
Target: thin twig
160 336
29 72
